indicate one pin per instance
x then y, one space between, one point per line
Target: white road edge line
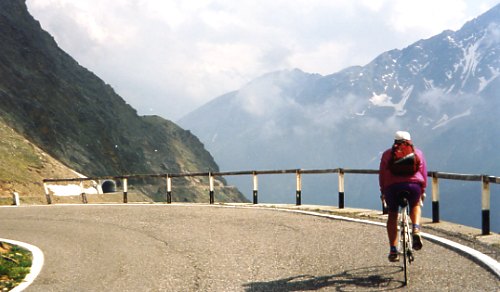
36 263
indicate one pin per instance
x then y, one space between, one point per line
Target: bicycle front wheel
405 234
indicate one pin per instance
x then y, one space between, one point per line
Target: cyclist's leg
415 219
392 233
414 197
392 228
391 198
415 213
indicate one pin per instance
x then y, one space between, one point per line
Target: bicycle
406 241
405 238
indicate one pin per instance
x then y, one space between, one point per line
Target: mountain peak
444 90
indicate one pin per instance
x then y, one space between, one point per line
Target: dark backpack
404 161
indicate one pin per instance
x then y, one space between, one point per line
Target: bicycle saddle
403 201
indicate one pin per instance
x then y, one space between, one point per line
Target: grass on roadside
15 264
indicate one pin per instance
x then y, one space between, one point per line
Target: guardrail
484 179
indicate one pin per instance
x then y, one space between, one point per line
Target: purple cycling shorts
393 191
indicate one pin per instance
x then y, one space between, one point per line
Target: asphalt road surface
211 248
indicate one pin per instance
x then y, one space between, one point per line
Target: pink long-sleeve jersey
386 178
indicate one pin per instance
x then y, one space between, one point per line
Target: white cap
402 135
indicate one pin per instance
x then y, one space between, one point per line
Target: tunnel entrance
108 186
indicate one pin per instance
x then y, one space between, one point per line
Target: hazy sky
168 57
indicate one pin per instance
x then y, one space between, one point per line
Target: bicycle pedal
410 256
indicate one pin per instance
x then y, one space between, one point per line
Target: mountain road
183 247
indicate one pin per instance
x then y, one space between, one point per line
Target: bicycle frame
406 240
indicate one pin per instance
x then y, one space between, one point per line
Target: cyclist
393 183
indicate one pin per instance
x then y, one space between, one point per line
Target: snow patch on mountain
429 84
483 81
470 61
445 119
384 100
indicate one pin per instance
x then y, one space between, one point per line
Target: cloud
335 110
428 15
264 97
438 103
168 57
493 34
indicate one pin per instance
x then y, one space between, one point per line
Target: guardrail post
82 192
15 199
341 189
98 187
298 193
169 190
211 193
485 205
435 198
47 194
255 188
125 189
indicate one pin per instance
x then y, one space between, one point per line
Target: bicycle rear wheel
406 260
406 241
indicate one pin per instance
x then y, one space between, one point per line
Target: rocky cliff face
71 114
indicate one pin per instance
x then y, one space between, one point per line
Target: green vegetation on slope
18 156
15 264
23 167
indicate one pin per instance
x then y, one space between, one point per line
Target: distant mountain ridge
67 111
444 90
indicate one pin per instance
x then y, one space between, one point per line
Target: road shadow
376 278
